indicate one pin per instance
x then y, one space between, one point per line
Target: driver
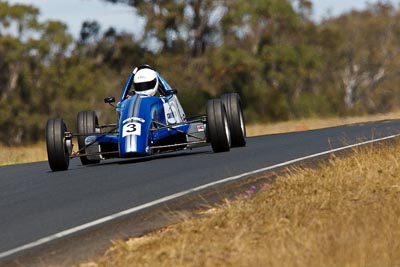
147 81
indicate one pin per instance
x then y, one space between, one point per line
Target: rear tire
234 113
87 122
218 133
57 151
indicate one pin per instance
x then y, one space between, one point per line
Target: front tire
234 112
87 123
57 151
218 132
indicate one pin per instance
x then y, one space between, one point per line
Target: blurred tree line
282 63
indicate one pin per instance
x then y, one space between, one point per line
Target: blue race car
146 125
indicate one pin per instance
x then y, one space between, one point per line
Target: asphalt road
36 203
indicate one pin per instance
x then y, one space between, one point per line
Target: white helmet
145 82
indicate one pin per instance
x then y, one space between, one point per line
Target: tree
366 57
277 37
178 26
90 31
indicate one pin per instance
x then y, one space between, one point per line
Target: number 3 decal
132 128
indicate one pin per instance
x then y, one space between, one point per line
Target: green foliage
283 65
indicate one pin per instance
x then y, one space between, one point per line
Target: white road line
174 196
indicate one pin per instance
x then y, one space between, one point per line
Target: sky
123 18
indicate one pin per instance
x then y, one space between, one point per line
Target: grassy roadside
37 152
314 123
15 155
345 213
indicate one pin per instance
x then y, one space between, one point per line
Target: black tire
57 151
217 126
87 123
234 112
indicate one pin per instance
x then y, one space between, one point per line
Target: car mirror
172 92
109 100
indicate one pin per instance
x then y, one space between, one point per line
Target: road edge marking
117 215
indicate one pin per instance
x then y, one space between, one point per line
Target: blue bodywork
141 123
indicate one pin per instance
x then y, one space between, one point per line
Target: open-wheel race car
146 125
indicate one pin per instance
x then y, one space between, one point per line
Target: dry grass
345 213
14 155
316 123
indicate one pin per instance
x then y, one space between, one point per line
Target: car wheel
87 123
218 133
57 151
236 122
